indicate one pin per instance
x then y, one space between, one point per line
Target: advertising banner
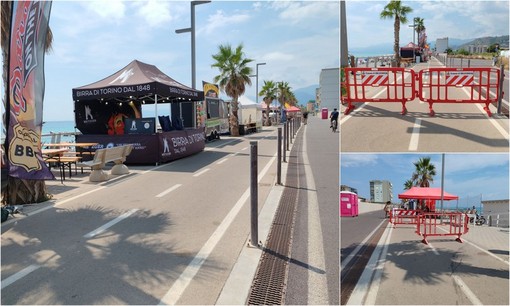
29 27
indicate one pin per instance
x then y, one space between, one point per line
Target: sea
58 127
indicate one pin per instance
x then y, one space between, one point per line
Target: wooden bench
102 157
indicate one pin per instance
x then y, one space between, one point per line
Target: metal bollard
284 148
500 89
279 162
254 194
287 128
291 128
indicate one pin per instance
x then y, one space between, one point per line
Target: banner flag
29 27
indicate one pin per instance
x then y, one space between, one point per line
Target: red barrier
450 85
442 224
402 216
398 85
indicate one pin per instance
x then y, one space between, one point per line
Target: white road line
470 295
17 276
180 285
346 261
494 123
101 229
317 283
433 249
244 148
374 286
480 248
415 136
222 161
201 172
367 285
168 190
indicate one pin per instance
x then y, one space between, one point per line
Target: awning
426 193
291 108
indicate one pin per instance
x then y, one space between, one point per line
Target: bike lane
406 271
460 127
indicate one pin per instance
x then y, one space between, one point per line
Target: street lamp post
257 82
414 44
192 30
193 68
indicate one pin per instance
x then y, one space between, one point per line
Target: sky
453 19
469 176
93 40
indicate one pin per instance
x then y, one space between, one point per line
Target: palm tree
419 27
233 78
18 191
396 10
408 184
269 93
424 172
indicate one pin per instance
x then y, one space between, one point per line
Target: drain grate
268 287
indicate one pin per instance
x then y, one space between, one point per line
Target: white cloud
296 12
155 13
222 20
358 160
474 162
112 10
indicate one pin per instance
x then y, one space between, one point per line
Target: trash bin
348 204
324 113
242 130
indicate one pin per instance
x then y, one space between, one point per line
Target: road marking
433 249
317 283
368 284
346 261
470 295
480 248
168 190
101 229
494 123
374 286
17 276
222 161
244 148
415 135
201 172
177 289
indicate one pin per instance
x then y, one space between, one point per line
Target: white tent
249 112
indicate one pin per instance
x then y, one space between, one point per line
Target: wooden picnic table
57 156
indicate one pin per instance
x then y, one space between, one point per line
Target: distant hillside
501 40
455 43
303 95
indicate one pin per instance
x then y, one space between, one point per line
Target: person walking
387 209
305 117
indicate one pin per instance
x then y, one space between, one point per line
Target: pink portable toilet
324 113
348 204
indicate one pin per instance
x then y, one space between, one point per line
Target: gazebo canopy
140 81
426 193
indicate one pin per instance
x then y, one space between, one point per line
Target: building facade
496 212
381 191
329 91
441 45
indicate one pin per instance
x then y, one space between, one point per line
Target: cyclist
334 117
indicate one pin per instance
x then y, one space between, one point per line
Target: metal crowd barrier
433 224
449 85
402 216
399 85
432 85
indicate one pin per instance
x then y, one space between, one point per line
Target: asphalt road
173 231
456 127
